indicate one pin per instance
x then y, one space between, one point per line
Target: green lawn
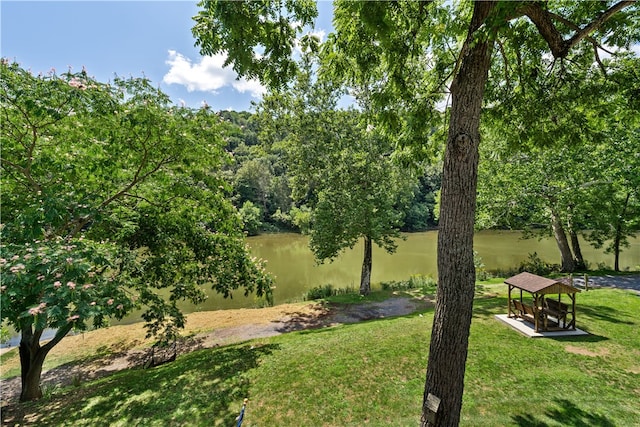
372 374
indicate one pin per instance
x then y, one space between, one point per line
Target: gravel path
631 282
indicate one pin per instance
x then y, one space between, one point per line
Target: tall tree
572 173
418 48
342 169
109 196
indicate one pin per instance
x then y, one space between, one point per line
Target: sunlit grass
372 373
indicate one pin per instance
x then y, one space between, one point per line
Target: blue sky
127 38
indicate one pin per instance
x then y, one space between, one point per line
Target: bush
426 284
251 218
5 334
535 265
319 292
326 291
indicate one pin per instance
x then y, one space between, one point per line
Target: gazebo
545 308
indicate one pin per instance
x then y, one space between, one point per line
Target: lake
290 260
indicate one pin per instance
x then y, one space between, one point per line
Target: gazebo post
573 311
535 313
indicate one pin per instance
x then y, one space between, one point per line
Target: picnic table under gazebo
543 305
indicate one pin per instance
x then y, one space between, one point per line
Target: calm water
290 260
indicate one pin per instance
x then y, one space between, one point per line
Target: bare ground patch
104 351
585 352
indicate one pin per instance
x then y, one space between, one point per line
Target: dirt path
211 329
130 350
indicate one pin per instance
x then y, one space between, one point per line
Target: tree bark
456 272
365 277
575 243
617 239
568 264
577 251
32 357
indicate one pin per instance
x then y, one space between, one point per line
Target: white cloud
253 86
208 75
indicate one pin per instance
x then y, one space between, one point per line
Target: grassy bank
372 373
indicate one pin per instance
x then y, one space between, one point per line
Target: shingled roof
540 285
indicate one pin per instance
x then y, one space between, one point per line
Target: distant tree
342 169
573 173
109 195
251 218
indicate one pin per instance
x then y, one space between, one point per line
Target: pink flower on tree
71 285
37 310
57 284
17 268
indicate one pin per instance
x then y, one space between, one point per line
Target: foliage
5 333
403 57
340 168
251 215
111 201
535 265
587 181
426 284
319 292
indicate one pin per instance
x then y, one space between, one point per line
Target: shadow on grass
564 413
487 306
205 387
604 313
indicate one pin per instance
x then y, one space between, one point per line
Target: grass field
372 374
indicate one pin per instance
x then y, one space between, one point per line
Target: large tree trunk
617 239
575 243
365 277
32 357
577 251
568 264
456 272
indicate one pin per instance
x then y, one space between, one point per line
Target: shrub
426 284
319 292
326 291
535 265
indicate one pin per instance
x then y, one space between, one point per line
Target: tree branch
543 20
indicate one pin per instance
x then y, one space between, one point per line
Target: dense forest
587 188
262 190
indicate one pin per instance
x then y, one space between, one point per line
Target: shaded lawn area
372 374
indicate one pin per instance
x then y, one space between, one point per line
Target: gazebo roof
540 285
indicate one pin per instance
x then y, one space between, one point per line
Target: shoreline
96 354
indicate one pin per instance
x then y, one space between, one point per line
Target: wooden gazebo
547 312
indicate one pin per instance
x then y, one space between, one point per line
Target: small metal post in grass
241 416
